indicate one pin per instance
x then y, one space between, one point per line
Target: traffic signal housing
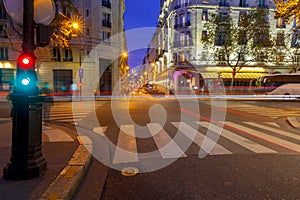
26 75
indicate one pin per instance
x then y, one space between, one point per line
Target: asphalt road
192 149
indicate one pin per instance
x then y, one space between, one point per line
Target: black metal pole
26 159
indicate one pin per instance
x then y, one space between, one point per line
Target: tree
289 9
64 24
238 44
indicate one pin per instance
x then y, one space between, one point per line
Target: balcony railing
180 25
181 44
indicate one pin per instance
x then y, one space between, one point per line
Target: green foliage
288 9
240 43
63 25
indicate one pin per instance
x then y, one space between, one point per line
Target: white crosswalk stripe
242 135
166 145
244 142
126 150
199 139
71 114
270 138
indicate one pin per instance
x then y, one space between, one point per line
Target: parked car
287 91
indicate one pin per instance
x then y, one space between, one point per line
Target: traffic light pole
26 159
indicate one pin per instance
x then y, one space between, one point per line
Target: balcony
106 24
181 25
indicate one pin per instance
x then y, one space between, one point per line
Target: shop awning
211 75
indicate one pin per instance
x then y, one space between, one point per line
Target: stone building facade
176 57
91 62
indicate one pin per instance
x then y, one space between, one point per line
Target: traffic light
26 76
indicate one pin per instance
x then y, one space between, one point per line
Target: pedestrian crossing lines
256 138
70 113
268 111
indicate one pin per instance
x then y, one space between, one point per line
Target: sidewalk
67 161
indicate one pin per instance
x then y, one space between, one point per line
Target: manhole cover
129 171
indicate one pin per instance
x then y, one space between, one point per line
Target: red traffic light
26 61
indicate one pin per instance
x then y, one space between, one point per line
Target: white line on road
126 149
269 138
244 142
199 138
165 144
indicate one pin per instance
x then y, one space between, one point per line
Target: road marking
273 124
126 149
199 138
269 138
244 142
275 130
165 144
294 122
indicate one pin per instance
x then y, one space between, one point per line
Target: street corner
55 134
66 183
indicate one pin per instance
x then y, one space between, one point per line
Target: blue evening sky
140 22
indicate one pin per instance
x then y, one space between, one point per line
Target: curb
66 183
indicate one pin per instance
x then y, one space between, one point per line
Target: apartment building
92 60
177 58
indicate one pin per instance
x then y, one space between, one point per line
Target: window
242 16
106 20
222 56
204 35
106 36
182 57
87 31
204 15
262 3
243 3
182 19
2 12
280 39
3 33
280 23
56 54
3 53
68 55
182 39
188 38
223 3
188 19
106 3
87 12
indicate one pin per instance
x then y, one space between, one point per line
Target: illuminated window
204 15
280 23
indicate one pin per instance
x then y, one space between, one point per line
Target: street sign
80 72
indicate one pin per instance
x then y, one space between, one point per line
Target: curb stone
66 183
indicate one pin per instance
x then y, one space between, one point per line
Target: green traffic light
25 81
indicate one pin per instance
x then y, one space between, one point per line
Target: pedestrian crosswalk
211 138
70 113
267 111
